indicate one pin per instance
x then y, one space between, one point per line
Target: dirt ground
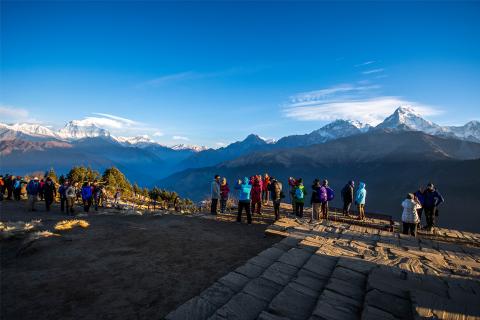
120 267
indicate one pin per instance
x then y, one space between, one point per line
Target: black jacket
347 193
49 190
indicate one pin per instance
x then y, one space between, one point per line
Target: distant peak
407 110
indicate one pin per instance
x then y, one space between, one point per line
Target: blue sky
211 73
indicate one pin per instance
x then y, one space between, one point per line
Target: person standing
9 180
33 188
97 194
410 217
265 189
256 195
62 191
215 191
86 196
360 198
49 192
275 189
2 188
17 188
244 199
116 198
292 183
326 195
419 195
71 195
432 199
315 200
347 197
300 194
224 191
42 184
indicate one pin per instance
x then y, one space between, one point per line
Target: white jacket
410 214
215 190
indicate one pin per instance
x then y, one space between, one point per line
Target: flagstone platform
335 270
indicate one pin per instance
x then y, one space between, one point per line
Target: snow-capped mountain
25 131
188 147
406 118
136 141
334 130
80 129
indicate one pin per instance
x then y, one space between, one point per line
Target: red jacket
256 193
224 191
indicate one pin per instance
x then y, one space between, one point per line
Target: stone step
257 295
228 289
344 292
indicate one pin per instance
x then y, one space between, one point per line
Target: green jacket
301 187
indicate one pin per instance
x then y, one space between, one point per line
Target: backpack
299 193
330 194
278 190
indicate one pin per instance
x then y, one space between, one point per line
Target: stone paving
340 271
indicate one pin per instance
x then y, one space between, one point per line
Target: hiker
9 186
292 183
347 197
62 191
360 198
49 192
315 200
42 184
300 194
224 191
256 194
86 196
17 188
326 195
117 198
265 190
244 199
420 196
33 188
432 199
2 188
215 191
275 190
97 194
410 217
71 195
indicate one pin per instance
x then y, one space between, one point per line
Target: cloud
366 63
373 71
195 75
13 114
351 103
108 121
158 134
180 138
220 144
117 118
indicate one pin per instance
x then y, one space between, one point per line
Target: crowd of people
256 191
88 194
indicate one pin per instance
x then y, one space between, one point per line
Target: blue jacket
244 190
33 188
86 192
432 198
420 196
361 194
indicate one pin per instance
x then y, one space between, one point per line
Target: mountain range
393 158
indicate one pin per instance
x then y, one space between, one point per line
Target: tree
145 192
81 174
115 179
52 175
154 194
136 189
61 179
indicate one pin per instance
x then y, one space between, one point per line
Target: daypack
299 193
277 187
17 184
330 194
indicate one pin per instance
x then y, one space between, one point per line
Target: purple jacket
323 194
